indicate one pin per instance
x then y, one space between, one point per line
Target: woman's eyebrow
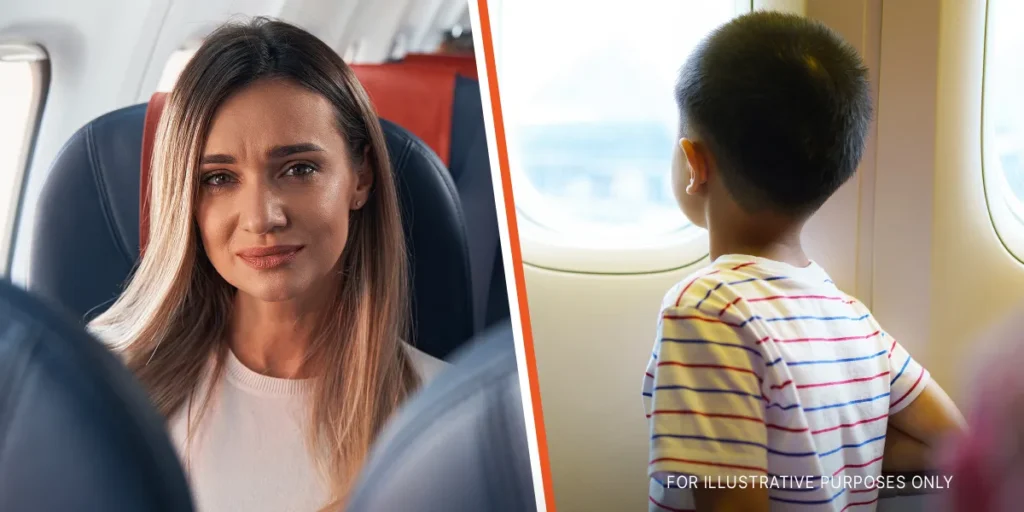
276 152
217 159
291 149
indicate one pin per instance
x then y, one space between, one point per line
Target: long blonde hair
174 314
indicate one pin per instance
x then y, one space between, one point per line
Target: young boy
768 387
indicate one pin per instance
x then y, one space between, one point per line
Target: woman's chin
275 291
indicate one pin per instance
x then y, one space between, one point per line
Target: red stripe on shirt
708 463
780 386
708 415
844 425
868 463
844 338
823 384
848 505
916 382
780 297
701 318
666 507
893 347
729 305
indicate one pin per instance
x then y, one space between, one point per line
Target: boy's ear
697 164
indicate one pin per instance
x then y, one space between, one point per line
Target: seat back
444 108
460 444
90 219
78 432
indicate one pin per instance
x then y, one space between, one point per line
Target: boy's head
773 109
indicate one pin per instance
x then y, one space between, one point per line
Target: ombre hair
172 318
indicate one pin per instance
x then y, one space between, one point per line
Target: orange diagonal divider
517 258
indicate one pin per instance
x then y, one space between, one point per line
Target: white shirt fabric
767 375
249 453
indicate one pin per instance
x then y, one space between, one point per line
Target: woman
266 316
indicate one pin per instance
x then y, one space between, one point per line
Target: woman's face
276 187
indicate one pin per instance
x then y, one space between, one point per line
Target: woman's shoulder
426 366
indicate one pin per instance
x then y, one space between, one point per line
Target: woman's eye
216 179
300 170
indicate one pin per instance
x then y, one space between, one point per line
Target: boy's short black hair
783 104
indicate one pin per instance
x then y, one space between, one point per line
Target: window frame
545 248
1005 209
40 65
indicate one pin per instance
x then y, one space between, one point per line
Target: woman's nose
261 211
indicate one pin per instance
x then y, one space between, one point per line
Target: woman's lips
265 258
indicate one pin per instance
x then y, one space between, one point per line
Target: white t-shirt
761 370
250 451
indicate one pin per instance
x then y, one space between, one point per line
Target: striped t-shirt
765 374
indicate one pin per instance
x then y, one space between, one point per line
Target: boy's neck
764 237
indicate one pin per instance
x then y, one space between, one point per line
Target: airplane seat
87 233
460 443
78 432
465 65
444 108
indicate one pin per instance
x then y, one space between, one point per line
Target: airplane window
173 68
1004 102
1003 128
590 116
23 83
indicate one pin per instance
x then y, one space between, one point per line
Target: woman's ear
364 182
697 164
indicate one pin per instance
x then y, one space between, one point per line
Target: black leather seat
460 444
86 239
470 167
76 431
432 96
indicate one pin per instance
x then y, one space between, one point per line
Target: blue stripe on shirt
831 361
707 342
824 318
858 445
712 290
805 502
852 402
905 363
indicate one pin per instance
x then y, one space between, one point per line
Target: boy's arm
920 412
708 413
904 454
930 417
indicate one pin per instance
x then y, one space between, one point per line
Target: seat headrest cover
76 430
417 98
460 444
465 65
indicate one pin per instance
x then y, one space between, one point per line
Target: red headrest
417 98
153 113
464 65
